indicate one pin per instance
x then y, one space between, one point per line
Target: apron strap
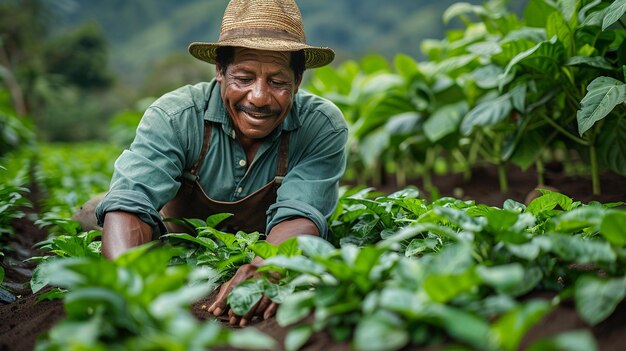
283 158
193 172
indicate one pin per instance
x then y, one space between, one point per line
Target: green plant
452 270
136 302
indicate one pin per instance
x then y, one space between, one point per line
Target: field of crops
439 239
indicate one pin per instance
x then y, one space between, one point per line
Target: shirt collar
216 112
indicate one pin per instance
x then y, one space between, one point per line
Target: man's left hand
265 308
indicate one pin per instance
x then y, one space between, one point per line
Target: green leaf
169 304
612 145
596 298
289 247
595 61
227 238
245 295
603 94
503 278
508 330
296 263
577 340
78 302
380 331
445 121
462 8
579 218
314 246
487 113
613 227
38 279
264 249
215 219
251 339
444 287
295 307
202 241
406 66
614 12
462 325
579 250
403 301
543 49
297 337
557 26
548 201
537 11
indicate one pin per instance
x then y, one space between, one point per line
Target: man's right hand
122 231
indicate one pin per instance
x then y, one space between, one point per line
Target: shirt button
239 190
242 163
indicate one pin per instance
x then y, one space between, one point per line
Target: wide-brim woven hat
273 25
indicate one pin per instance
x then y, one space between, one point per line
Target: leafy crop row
403 271
503 90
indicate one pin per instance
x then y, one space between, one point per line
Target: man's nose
259 94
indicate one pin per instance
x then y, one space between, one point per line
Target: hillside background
145 33
73 66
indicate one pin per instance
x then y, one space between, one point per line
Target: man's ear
218 73
298 81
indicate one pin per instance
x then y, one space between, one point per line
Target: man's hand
265 308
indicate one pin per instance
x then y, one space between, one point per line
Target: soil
25 318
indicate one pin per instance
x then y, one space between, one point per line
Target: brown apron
249 213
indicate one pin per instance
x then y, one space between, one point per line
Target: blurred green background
73 66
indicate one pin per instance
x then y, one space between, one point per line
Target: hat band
259 33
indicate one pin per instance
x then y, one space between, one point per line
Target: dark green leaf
487 113
380 331
503 278
444 287
603 94
508 330
613 13
612 145
245 295
297 337
613 227
579 250
295 307
577 340
548 201
251 339
313 246
596 298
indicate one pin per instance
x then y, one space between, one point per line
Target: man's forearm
288 229
123 231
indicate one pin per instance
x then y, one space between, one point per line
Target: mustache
264 110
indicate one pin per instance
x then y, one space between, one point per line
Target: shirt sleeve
145 175
310 188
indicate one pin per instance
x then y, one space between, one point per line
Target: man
248 143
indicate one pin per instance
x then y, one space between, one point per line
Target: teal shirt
169 138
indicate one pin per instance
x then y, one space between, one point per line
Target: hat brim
314 56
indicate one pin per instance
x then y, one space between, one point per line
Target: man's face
257 89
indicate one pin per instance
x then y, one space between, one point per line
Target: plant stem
504 184
502 179
595 170
540 171
564 131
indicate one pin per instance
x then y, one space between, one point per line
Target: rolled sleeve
285 210
146 176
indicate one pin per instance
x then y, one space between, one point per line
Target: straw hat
274 25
